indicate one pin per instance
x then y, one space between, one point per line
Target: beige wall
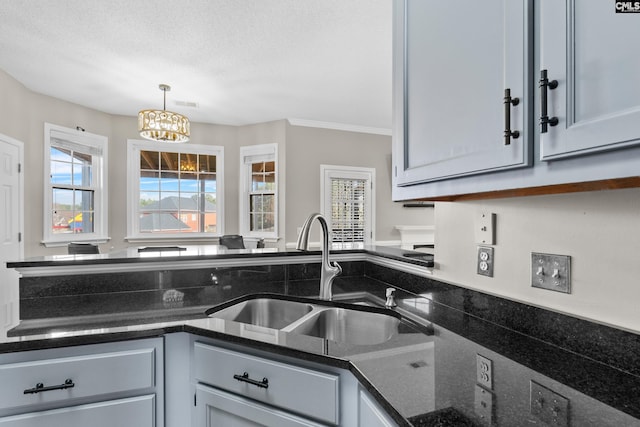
308 148
599 230
268 133
124 128
23 114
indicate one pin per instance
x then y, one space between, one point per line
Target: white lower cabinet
242 387
218 408
114 384
133 412
247 387
370 414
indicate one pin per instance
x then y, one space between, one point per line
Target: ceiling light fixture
163 125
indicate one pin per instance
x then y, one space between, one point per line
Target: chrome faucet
328 270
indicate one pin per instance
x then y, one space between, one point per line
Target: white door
590 50
11 228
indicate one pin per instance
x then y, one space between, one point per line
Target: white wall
599 230
308 148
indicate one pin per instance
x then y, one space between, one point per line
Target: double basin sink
341 322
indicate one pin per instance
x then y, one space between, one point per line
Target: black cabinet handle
508 102
545 84
245 378
39 388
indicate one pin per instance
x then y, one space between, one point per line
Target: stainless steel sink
346 325
355 325
267 312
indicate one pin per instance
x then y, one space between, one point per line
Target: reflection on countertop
421 376
183 253
426 378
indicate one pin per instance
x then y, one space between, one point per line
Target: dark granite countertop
185 253
423 378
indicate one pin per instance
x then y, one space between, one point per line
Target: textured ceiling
239 61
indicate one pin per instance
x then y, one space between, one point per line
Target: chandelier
163 125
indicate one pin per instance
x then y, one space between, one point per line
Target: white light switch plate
485 224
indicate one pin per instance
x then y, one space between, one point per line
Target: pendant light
163 125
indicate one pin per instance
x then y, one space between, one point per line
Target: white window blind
347 202
348 215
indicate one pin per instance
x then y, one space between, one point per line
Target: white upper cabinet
452 65
579 127
591 52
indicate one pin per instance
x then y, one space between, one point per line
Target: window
347 204
259 191
174 191
75 207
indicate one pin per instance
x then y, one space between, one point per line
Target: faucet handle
338 268
390 294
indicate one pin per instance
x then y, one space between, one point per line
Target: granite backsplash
146 291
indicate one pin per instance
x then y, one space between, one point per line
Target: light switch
548 405
484 406
552 272
485 228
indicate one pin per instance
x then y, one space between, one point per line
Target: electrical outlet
485 261
483 406
484 372
549 406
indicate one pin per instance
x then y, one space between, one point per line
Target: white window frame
250 154
96 145
134 146
327 172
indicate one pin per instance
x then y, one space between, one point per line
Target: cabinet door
452 64
370 414
133 412
217 408
592 53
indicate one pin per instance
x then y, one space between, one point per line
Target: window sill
60 243
170 239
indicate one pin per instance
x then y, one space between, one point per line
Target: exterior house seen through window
75 199
262 196
176 190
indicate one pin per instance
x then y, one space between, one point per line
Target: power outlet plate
551 272
484 372
549 406
485 261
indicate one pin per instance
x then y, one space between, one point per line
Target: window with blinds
347 204
348 215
